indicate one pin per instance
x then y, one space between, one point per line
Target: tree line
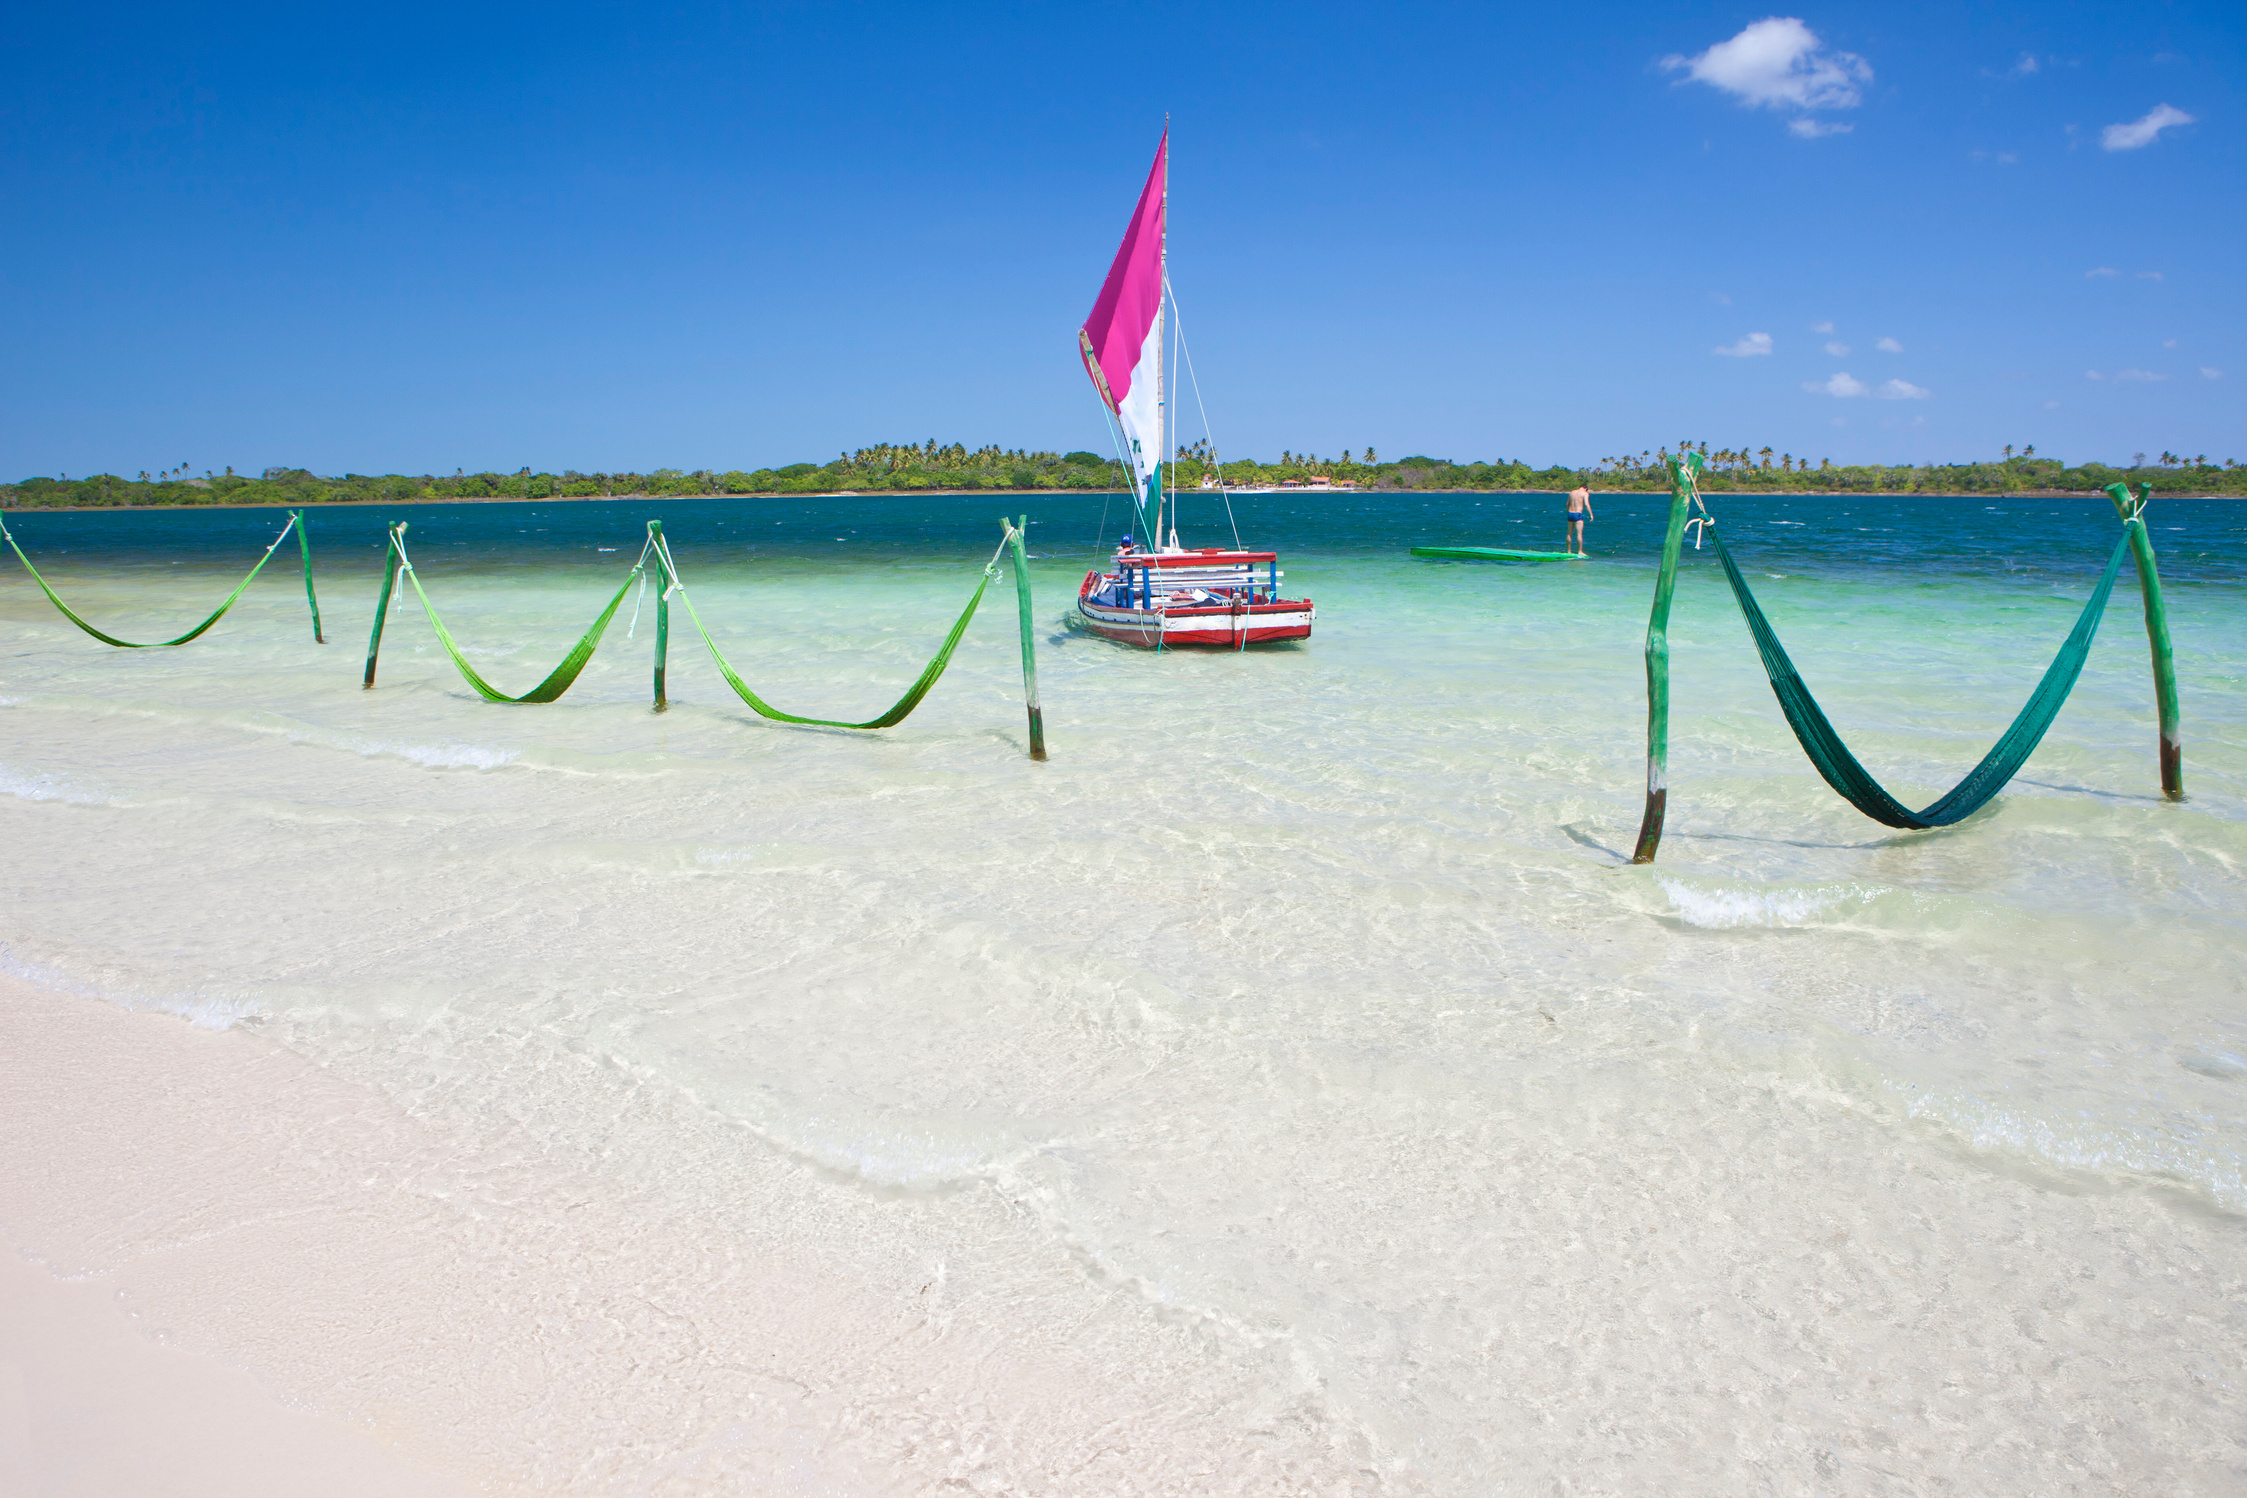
893 467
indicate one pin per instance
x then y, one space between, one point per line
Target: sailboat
1157 593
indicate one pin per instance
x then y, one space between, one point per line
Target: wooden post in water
2133 513
304 545
1029 641
382 604
1684 469
662 612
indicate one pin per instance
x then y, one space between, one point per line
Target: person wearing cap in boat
1125 547
1579 511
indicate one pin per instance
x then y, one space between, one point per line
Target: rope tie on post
1684 471
304 545
382 604
1014 536
662 606
2132 509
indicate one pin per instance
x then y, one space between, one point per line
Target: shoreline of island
1597 494
944 470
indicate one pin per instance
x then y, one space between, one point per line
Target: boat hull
1221 627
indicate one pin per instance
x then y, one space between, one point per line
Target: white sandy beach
255 1273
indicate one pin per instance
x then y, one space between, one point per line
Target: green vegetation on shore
890 467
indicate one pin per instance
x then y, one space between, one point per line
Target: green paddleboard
1494 554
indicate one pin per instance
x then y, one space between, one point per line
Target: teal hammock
1841 768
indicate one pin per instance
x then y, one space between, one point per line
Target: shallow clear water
1305 993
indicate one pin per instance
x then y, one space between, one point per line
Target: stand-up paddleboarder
1579 511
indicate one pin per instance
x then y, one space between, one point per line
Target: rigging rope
296 523
1195 380
898 710
1841 769
561 678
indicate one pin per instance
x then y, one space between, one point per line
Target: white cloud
2139 132
1822 327
2051 405
1810 129
1748 347
1837 348
2092 374
1843 385
1889 346
2142 376
2168 343
2210 374
2149 275
1775 62
2025 66
1901 390
2104 270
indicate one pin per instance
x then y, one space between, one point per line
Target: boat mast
1162 388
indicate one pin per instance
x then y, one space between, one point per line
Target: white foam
439 756
1725 909
2149 1145
31 785
442 756
2210 1062
204 1011
903 1160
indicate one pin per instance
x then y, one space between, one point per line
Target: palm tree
2008 452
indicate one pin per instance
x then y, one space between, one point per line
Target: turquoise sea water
1303 1003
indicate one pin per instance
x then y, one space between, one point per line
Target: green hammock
296 523
1840 767
898 710
558 681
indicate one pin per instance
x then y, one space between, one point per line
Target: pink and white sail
1122 342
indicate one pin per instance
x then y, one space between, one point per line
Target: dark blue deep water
2199 541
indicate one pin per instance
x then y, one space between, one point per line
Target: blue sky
422 238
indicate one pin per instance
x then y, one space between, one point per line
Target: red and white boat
1208 597
1160 595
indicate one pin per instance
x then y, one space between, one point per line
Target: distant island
896 467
